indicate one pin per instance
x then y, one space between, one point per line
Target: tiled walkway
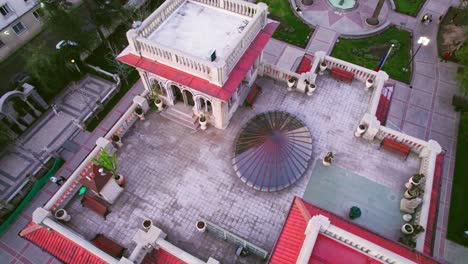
14 249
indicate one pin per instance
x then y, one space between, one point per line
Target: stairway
183 115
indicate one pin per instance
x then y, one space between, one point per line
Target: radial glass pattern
272 151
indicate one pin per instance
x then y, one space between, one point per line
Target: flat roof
198 29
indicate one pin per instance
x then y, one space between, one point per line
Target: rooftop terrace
199 29
175 176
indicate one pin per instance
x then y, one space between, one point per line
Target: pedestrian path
323 39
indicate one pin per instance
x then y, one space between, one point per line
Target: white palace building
202 56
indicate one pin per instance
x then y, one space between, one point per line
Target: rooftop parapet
184 33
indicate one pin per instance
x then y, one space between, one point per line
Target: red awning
223 93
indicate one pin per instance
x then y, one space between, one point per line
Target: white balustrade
158 16
360 73
278 73
416 144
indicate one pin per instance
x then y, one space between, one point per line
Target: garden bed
291 29
458 219
368 52
409 7
452 32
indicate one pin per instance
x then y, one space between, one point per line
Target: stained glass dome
272 151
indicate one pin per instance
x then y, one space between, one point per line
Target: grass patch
291 30
458 218
409 7
452 32
369 51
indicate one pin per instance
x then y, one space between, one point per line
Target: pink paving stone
333 18
356 18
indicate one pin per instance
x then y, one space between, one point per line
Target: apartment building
20 20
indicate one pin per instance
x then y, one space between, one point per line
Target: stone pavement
14 249
323 39
175 176
49 132
350 22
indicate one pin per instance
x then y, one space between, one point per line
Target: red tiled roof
305 65
433 208
235 76
160 256
327 250
61 247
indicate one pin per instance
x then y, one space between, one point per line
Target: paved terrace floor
176 176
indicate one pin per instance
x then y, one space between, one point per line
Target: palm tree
374 19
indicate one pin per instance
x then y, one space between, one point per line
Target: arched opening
189 98
156 87
204 105
178 97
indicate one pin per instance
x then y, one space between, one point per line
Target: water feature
343 4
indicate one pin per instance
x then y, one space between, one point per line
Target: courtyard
176 176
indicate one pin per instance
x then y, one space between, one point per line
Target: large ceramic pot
202 121
323 66
61 214
147 223
139 113
116 139
201 226
291 83
361 129
159 104
407 229
311 88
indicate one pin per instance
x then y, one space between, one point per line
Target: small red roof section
235 76
305 65
326 249
160 256
61 247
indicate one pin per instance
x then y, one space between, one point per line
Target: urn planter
407 229
369 84
119 179
311 88
202 121
139 113
61 214
147 223
291 83
159 104
117 140
360 130
323 67
201 226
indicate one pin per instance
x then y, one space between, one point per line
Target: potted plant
139 113
147 223
116 139
310 88
323 67
361 129
407 240
107 161
201 226
119 179
157 101
407 229
416 179
412 192
328 159
202 121
354 212
61 214
291 83
418 229
369 84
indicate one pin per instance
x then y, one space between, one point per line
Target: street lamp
74 64
422 41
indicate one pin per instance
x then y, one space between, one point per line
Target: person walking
439 20
58 181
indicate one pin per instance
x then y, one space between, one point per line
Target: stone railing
416 144
240 7
360 73
157 17
278 73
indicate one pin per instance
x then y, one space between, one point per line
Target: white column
312 231
36 112
12 119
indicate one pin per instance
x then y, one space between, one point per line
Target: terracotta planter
201 226
311 89
361 129
116 139
202 121
139 113
369 84
407 229
291 83
323 66
147 223
61 214
119 179
159 104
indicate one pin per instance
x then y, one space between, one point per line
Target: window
5 10
38 13
19 28
1 43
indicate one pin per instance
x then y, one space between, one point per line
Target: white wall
18 7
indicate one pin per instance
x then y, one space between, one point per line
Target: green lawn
291 30
454 19
368 52
458 218
409 7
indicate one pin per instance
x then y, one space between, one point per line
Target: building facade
20 20
202 57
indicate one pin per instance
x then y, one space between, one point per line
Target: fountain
343 4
